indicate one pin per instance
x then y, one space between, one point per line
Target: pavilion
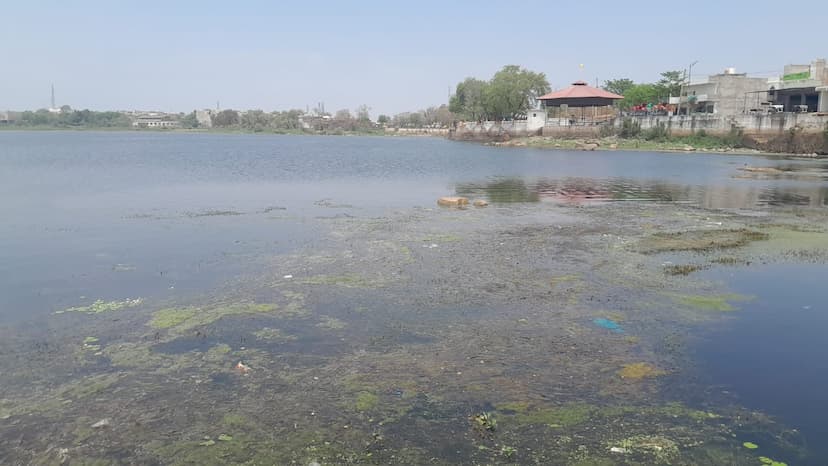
593 105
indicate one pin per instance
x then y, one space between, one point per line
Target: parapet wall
749 124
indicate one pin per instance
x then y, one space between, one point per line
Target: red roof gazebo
581 95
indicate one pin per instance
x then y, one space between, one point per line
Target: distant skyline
393 57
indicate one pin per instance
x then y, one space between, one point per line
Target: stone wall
494 130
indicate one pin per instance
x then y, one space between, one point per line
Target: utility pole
686 80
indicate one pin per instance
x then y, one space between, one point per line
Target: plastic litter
608 324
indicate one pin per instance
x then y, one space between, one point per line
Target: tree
670 83
641 94
189 121
226 118
363 113
512 91
618 86
467 101
383 119
255 120
288 120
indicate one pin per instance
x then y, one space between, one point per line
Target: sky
393 56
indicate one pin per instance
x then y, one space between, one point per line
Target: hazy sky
392 56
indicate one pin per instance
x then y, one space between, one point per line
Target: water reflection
572 190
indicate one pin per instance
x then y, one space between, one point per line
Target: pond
173 298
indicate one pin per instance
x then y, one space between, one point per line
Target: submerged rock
452 201
101 423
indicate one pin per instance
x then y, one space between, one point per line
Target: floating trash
608 324
242 368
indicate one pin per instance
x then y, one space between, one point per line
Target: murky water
771 355
287 299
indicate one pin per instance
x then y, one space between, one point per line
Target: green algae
660 448
186 318
236 420
331 323
564 279
442 238
770 462
225 438
720 303
136 355
273 335
750 445
351 280
638 371
366 401
682 269
171 317
89 386
699 240
563 416
572 415
101 306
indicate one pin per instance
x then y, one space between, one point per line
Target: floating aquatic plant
750 445
770 462
100 306
485 421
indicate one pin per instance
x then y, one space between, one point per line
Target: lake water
168 217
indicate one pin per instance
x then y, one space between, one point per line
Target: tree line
646 93
68 118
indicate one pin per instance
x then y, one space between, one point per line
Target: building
204 118
580 104
725 94
154 121
802 88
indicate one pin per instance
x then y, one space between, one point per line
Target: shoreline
626 145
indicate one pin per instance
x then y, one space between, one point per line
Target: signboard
797 76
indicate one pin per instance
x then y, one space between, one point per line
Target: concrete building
204 118
154 121
802 88
725 94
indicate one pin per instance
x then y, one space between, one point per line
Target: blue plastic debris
609 325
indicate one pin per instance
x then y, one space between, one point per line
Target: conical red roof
580 90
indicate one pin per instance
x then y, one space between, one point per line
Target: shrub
630 128
606 131
735 138
659 132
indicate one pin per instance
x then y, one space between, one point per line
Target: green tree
226 118
363 113
641 94
383 119
618 86
189 121
512 91
288 120
255 120
467 101
670 83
